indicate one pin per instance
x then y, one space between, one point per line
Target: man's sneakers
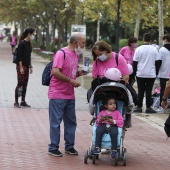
55 153
150 110
113 153
24 104
71 151
97 151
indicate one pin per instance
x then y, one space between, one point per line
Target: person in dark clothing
24 65
164 59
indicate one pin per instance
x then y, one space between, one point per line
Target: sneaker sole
97 153
49 153
68 152
137 111
25 106
150 112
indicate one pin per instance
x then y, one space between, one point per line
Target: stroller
120 93
156 96
156 99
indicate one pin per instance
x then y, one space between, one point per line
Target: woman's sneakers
17 105
24 104
97 151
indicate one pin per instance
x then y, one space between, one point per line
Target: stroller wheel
116 160
86 157
94 159
124 157
97 156
90 153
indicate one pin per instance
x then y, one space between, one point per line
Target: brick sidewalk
25 132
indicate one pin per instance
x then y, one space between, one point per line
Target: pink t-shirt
115 115
102 66
59 89
127 54
13 40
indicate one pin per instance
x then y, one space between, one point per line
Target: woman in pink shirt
108 120
104 59
128 52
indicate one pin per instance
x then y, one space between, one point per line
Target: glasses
96 45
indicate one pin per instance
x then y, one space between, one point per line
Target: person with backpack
104 59
23 65
164 59
13 42
62 97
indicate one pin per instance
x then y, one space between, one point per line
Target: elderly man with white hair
61 95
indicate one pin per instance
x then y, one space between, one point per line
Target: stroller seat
106 140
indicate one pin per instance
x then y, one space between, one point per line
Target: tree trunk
98 29
60 36
137 25
160 21
47 38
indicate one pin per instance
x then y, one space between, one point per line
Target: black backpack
46 75
167 126
15 56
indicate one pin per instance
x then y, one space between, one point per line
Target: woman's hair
101 46
167 37
25 33
105 102
132 39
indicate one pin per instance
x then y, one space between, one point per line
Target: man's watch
164 100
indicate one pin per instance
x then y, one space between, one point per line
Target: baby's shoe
113 153
96 151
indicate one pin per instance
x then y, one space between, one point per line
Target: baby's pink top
102 66
59 89
127 54
115 115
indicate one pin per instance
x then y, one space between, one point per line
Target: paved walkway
24 133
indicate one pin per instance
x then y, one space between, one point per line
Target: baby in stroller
113 96
108 121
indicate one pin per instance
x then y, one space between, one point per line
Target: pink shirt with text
127 54
59 89
115 115
102 66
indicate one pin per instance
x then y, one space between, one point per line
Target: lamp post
117 26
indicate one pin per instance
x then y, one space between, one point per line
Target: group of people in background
149 63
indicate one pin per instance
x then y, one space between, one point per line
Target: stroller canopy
118 90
